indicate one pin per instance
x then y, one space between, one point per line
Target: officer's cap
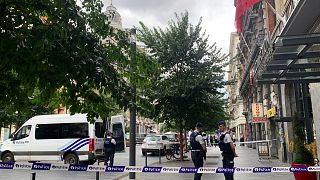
199 125
221 123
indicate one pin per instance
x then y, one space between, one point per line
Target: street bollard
33 176
159 155
146 159
97 173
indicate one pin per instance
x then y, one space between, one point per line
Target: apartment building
280 68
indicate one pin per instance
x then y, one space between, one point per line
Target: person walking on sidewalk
109 149
198 149
228 150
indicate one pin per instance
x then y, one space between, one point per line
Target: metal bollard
33 176
146 158
159 155
97 173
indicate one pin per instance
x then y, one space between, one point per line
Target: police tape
260 141
152 169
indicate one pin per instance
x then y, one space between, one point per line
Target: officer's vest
225 147
108 146
195 145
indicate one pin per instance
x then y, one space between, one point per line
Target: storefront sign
272 112
257 110
259 119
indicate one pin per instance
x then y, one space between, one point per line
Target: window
117 130
152 138
100 129
62 131
23 132
164 137
74 130
47 131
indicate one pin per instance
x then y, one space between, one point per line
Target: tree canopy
63 53
187 87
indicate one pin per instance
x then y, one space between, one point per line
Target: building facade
237 120
279 76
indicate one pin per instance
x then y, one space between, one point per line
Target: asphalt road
121 158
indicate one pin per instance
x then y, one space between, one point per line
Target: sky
217 15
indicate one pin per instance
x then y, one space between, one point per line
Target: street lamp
133 109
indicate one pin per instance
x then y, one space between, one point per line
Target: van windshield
100 129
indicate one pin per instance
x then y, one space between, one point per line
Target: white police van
60 137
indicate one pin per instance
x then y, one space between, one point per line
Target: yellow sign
272 112
257 110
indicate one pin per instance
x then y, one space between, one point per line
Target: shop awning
296 59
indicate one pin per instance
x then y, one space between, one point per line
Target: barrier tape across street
151 169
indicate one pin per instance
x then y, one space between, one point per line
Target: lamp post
133 109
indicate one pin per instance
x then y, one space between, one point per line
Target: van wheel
7 157
71 159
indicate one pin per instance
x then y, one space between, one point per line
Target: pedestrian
198 149
211 140
109 149
228 150
241 140
216 139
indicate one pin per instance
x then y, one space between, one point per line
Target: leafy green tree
187 86
64 53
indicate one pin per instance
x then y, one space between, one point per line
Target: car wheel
71 159
7 157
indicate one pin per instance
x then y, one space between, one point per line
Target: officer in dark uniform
109 149
198 149
228 150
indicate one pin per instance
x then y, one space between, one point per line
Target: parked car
139 138
152 143
172 136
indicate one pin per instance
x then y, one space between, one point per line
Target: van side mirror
14 137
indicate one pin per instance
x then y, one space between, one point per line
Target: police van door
21 144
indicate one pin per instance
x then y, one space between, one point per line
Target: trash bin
263 150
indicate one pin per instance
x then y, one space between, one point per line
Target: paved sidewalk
247 158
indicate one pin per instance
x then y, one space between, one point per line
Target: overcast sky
217 15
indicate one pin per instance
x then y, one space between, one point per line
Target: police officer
109 149
228 150
198 149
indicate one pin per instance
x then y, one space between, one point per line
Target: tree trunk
181 141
